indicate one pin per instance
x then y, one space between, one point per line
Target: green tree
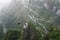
12 35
